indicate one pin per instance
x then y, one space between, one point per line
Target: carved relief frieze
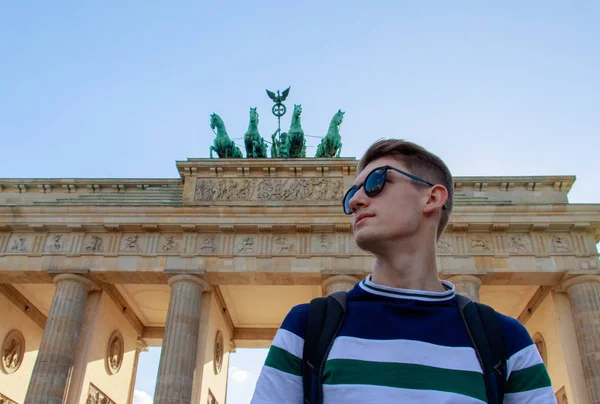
445 245
114 353
13 350
480 244
519 243
322 243
170 243
6 400
268 189
133 243
19 244
57 243
93 243
97 396
561 243
284 245
208 244
244 244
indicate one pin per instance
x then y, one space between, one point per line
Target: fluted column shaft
338 283
584 294
180 343
55 355
140 346
467 285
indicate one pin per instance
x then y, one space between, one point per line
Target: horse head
253 115
214 120
297 110
338 117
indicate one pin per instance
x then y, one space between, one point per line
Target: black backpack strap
325 316
483 327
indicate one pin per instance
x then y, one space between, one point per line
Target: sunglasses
374 184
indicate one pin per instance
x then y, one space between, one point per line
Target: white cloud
140 397
238 375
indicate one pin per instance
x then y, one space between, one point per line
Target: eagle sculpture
279 97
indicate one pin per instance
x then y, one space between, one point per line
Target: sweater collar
368 286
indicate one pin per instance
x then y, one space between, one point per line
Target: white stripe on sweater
545 395
351 394
287 388
525 358
405 351
289 341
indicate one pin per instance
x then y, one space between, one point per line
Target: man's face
394 214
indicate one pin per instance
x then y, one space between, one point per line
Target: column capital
338 283
141 345
465 279
579 280
340 279
190 278
88 283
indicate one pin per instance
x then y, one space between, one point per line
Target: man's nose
359 200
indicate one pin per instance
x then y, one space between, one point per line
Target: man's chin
365 240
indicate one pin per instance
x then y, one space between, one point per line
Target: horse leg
211 151
339 150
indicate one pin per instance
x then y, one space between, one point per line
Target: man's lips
360 217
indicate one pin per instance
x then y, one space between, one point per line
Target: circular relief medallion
13 350
218 361
114 353
539 342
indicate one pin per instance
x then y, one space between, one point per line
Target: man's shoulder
516 336
295 320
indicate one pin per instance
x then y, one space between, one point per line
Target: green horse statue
255 145
331 144
295 142
223 145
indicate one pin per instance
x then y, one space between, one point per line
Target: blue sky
124 89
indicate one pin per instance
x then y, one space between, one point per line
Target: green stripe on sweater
406 376
281 359
531 378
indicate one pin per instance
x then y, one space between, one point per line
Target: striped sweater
400 346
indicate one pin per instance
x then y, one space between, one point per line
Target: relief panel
133 243
323 243
19 244
480 244
57 243
560 243
268 189
519 243
170 243
208 244
94 243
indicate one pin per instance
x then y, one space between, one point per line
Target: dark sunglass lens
346 203
375 182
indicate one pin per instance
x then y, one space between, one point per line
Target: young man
402 339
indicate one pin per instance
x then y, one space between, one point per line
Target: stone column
467 285
584 294
140 346
337 283
55 356
180 343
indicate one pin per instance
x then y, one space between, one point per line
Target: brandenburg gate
93 271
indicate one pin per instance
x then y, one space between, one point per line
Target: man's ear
437 197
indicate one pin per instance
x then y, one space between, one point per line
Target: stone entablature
213 181
300 240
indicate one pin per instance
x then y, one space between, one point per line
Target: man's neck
414 269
